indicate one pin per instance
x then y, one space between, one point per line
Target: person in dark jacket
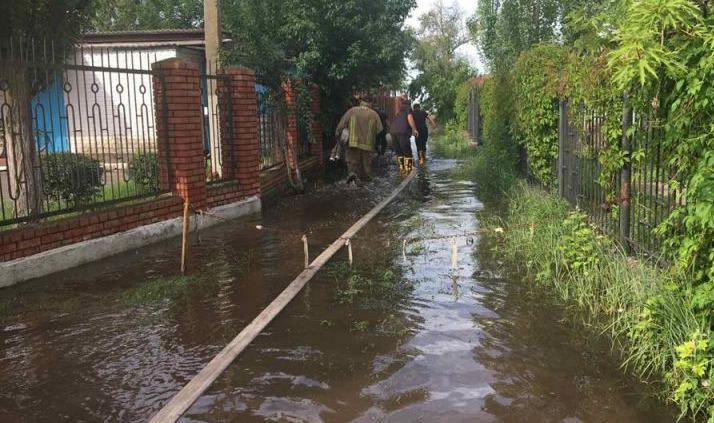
381 144
402 129
420 119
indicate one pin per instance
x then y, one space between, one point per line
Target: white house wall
110 112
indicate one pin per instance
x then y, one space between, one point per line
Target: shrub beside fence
627 203
70 129
93 143
630 202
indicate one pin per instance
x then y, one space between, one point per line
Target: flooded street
402 337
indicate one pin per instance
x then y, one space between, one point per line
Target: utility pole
213 36
212 32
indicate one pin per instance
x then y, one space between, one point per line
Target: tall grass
645 310
491 166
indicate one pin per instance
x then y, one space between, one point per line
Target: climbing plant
535 123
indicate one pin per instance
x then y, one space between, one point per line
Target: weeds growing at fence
649 312
478 163
452 144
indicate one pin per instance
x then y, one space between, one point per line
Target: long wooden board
198 385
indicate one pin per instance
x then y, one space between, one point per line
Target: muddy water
113 341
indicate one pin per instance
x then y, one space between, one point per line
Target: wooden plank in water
198 385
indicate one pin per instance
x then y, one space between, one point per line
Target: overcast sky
468 8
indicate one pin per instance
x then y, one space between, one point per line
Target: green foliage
452 144
461 104
58 20
505 28
579 245
143 171
373 286
70 177
693 375
340 46
537 77
125 15
442 72
160 289
648 312
663 56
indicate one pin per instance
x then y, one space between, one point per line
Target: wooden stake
184 241
454 254
349 251
307 251
178 405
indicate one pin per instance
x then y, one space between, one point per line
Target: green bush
650 313
452 143
537 77
71 177
143 171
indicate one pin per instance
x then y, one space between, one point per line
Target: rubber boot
422 158
401 164
408 164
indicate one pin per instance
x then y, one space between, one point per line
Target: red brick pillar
179 127
316 146
291 128
244 119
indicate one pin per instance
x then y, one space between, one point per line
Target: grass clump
490 165
165 288
373 286
452 144
649 312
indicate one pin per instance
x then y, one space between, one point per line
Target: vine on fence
659 54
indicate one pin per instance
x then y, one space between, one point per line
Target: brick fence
181 164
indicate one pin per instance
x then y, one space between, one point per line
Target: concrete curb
63 258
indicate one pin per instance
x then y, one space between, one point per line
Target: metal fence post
625 176
562 129
477 117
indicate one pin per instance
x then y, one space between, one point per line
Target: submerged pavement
114 340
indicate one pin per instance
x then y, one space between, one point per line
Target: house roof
148 38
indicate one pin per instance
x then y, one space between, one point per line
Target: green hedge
71 177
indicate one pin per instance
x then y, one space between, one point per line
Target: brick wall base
274 181
31 239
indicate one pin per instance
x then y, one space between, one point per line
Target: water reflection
440 343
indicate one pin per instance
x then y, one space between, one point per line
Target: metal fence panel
644 191
270 129
216 106
77 131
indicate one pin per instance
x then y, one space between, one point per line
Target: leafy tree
505 28
442 71
114 15
45 28
58 20
342 46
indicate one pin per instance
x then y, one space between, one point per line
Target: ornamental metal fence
303 138
632 200
216 110
77 129
643 190
270 129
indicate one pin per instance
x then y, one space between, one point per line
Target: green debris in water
170 287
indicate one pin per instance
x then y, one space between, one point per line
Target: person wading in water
363 124
403 128
420 119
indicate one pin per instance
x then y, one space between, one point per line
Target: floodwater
402 337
